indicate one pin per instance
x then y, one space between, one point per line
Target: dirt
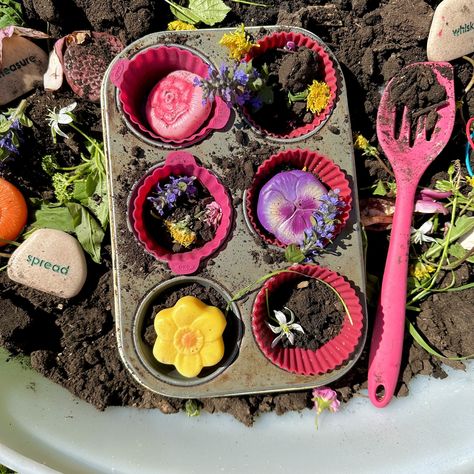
315 307
72 341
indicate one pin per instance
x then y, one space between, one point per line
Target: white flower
63 117
421 235
285 327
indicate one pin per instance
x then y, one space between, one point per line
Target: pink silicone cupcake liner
331 355
135 78
279 40
324 169
181 163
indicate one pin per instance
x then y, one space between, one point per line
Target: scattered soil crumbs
73 342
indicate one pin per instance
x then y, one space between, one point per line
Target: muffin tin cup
331 355
279 40
167 373
181 163
237 261
323 168
136 77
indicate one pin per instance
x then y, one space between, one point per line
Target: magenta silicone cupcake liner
183 164
331 355
136 77
323 168
279 40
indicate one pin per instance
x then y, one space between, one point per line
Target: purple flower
290 46
325 398
166 196
286 204
241 77
213 214
7 143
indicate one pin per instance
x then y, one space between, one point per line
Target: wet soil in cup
187 210
289 72
316 308
420 92
73 343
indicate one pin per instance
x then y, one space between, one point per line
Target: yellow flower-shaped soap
189 336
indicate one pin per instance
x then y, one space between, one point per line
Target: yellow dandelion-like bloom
421 271
181 234
179 25
318 97
470 181
238 43
361 143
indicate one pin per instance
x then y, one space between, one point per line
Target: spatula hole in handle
380 393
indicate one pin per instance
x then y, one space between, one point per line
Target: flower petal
429 207
280 316
64 119
164 351
274 329
68 108
276 340
165 327
188 365
186 310
211 323
212 352
296 327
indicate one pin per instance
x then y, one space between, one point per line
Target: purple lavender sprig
165 197
236 85
324 221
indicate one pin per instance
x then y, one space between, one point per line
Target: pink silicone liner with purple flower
181 163
279 40
329 356
135 78
323 168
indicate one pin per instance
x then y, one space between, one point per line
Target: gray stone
452 31
23 66
51 261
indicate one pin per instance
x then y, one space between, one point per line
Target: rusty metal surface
232 267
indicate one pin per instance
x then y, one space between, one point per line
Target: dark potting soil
289 72
186 210
73 343
420 92
317 309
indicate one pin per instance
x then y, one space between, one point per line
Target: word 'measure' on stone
51 261
452 31
22 67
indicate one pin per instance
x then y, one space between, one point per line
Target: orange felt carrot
13 211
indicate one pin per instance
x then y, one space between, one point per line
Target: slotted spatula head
410 157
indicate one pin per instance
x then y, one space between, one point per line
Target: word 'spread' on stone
23 66
51 261
452 31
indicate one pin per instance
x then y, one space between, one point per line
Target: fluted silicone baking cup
323 168
181 163
136 77
329 356
279 40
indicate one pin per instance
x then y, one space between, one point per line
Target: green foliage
12 122
10 13
208 12
293 254
192 408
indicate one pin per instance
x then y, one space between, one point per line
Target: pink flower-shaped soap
175 107
286 204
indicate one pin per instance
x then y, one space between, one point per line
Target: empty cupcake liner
323 168
279 40
183 164
331 355
136 77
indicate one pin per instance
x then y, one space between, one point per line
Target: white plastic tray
42 425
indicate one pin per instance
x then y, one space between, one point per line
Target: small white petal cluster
285 327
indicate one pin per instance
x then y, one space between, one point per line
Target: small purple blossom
165 197
325 398
213 214
6 142
290 46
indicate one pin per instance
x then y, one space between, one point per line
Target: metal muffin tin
245 370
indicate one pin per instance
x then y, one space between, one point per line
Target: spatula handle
389 324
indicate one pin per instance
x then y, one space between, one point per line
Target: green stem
11 242
89 139
5 255
3 268
246 2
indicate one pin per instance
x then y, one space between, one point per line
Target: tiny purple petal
430 207
427 193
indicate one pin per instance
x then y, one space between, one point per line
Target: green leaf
459 252
444 185
208 12
53 216
10 13
87 230
294 254
380 189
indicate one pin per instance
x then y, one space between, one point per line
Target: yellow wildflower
178 25
181 234
318 97
361 143
421 271
238 43
470 181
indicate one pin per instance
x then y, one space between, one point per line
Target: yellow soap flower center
188 340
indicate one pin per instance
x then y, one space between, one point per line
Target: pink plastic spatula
409 161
